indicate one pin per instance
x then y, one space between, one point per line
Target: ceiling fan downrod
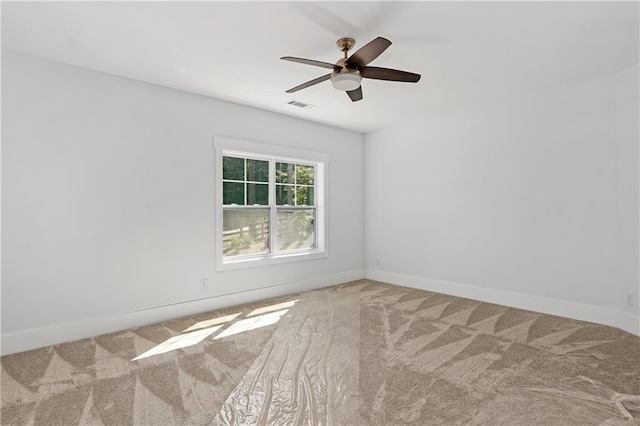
345 44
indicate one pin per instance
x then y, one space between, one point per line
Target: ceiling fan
348 72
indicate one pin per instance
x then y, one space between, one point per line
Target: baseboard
628 322
596 314
67 332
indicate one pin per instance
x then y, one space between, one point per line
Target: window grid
245 180
273 206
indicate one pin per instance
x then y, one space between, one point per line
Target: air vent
299 104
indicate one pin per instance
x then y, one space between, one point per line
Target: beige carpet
361 353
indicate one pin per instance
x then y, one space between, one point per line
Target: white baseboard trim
579 311
68 332
628 322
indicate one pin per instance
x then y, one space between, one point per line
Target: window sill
230 265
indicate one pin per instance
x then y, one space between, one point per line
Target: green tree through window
261 216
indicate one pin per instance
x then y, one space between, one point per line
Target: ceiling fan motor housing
343 78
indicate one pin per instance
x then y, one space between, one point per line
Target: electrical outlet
377 262
203 284
630 299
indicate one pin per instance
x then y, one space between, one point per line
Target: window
270 204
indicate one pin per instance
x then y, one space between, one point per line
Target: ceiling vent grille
299 104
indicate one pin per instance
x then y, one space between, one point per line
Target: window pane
232 168
232 193
296 229
304 175
285 194
284 172
257 193
257 170
245 231
304 196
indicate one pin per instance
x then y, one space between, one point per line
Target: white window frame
224 146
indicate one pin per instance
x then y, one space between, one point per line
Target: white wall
108 210
627 98
531 203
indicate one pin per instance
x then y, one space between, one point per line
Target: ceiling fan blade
368 52
356 94
310 62
377 73
310 83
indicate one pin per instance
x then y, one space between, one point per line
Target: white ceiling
467 52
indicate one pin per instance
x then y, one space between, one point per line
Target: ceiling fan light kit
348 72
346 81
